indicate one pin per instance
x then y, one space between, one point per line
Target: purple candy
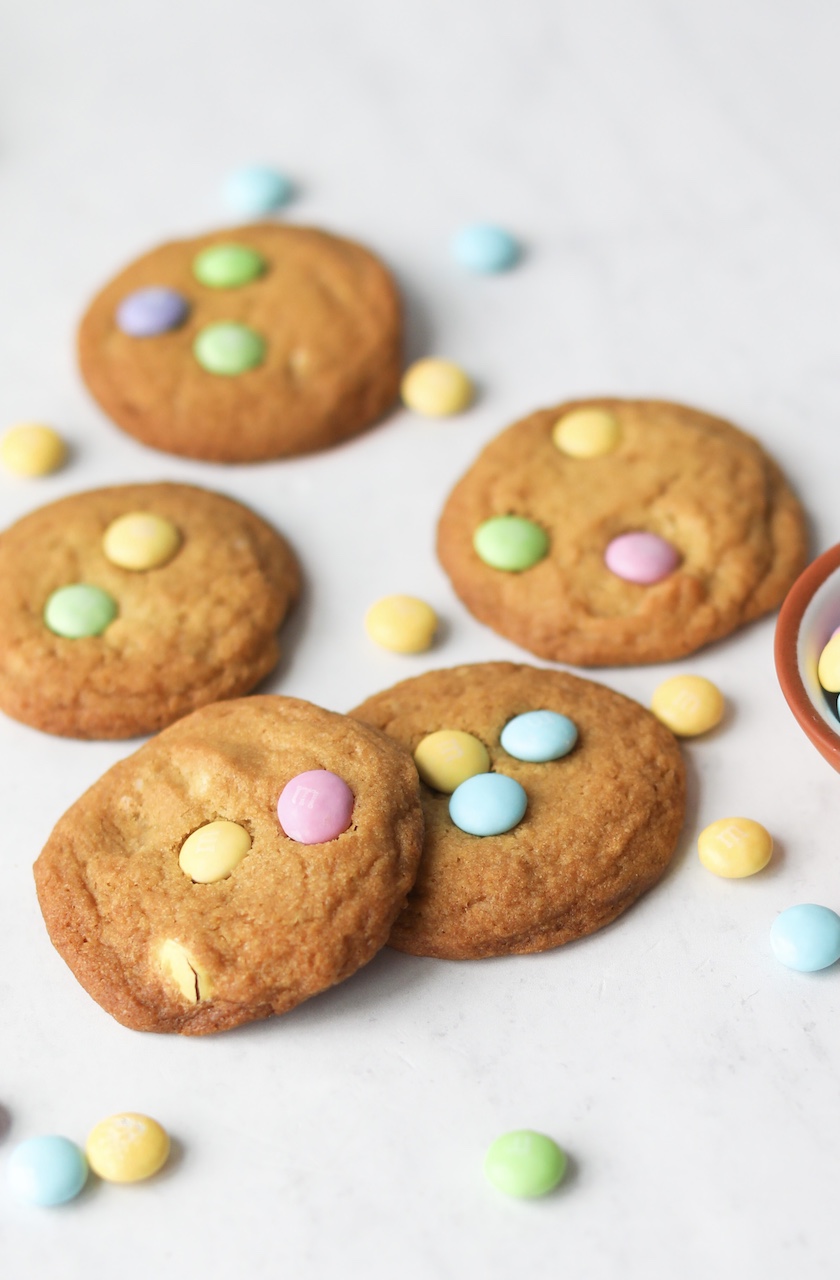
151 311
641 557
315 806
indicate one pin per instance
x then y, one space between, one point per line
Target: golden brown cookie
600 827
324 351
162 950
196 628
700 486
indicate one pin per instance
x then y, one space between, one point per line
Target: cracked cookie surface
327 311
704 487
600 828
201 627
162 953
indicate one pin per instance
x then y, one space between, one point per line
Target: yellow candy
436 388
688 705
447 758
735 847
828 668
587 433
127 1147
402 624
31 449
213 851
183 971
140 540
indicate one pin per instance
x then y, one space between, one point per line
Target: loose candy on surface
448 757
735 847
806 937
436 388
228 349
488 804
46 1170
484 248
140 540
32 449
213 851
228 266
146 313
402 624
510 543
828 666
127 1147
257 189
79 610
688 705
315 806
525 1164
587 433
539 736
641 557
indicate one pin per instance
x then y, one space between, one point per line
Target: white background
672 168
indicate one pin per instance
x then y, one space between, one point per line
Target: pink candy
641 557
315 806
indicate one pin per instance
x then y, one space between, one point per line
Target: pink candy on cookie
315 806
641 557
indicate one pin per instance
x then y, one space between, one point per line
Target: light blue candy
488 804
484 248
806 937
538 736
256 190
46 1170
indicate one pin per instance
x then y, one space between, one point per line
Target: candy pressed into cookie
250 856
580 791
609 532
256 342
125 608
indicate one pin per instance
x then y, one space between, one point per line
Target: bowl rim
786 649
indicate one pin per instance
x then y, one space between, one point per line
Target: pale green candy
511 543
228 348
226 266
79 610
525 1164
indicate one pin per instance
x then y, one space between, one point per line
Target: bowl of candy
808 652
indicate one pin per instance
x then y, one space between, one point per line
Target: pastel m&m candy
256 190
32 449
488 804
140 540
735 847
484 248
213 851
46 1170
315 806
525 1164
641 557
587 433
828 667
806 937
688 705
127 1147
402 624
228 349
436 388
447 757
227 266
79 610
146 313
510 543
539 736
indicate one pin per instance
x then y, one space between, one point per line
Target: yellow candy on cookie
448 757
688 705
127 1147
140 540
32 449
213 851
402 624
587 433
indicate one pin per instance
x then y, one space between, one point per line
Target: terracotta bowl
808 616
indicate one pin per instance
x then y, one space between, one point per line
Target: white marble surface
672 169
